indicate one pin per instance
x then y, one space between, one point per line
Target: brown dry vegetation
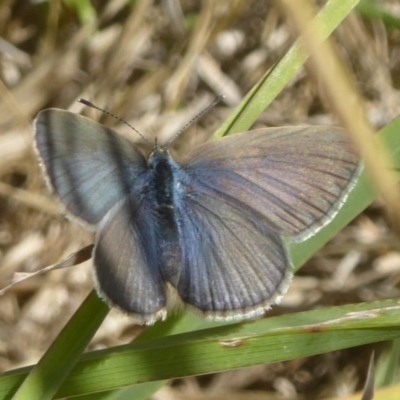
157 65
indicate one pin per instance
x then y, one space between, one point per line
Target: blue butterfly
209 227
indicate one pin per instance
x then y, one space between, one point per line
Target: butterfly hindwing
126 261
232 265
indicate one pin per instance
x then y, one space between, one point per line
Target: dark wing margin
232 267
296 177
126 262
89 166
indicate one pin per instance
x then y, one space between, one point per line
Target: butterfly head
159 156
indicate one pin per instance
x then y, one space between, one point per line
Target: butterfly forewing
89 166
296 177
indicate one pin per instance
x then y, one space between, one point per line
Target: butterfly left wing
126 261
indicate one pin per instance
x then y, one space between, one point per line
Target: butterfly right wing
239 196
89 166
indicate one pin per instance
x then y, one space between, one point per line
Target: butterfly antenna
200 114
89 104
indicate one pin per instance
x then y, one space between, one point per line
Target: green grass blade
234 346
387 366
83 9
46 377
374 10
274 81
217 349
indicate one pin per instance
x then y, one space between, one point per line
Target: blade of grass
175 324
387 368
273 82
373 10
137 392
84 10
44 379
238 345
217 349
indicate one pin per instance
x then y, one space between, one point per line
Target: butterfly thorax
164 170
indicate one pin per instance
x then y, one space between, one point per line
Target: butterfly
211 227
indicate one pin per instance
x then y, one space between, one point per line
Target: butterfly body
166 194
211 226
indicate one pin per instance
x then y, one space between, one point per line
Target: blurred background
157 64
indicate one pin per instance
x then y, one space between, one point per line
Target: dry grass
157 65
